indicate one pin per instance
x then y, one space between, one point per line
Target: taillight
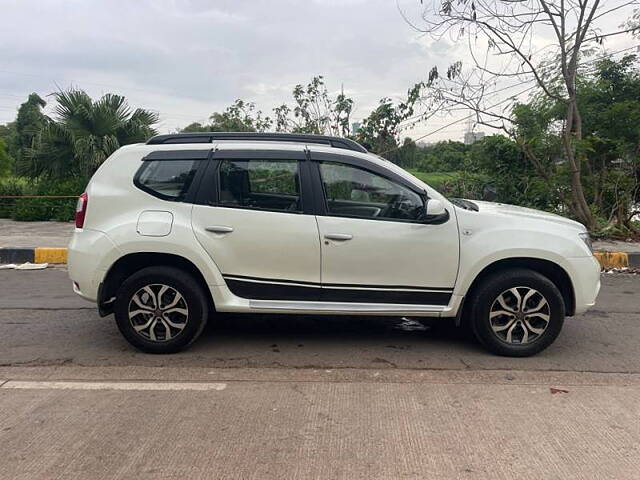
81 210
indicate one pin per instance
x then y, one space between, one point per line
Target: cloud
188 58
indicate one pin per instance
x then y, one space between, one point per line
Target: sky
186 59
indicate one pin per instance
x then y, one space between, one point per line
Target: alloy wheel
519 315
158 312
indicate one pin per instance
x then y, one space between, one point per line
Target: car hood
490 208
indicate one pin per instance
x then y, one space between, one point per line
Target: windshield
431 192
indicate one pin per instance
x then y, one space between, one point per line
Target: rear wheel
517 313
161 309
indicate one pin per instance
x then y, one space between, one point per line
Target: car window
262 184
355 192
167 179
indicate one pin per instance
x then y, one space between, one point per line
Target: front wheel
161 309
517 313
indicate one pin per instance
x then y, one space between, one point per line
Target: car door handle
219 229
341 237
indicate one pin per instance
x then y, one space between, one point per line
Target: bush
435 180
457 184
41 209
11 187
466 185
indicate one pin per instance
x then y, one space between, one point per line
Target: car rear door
255 219
375 248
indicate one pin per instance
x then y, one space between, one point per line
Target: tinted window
355 192
263 184
167 179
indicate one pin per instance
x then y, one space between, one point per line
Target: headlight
587 240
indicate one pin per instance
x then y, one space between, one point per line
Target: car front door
255 219
375 246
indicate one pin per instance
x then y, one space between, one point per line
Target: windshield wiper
466 204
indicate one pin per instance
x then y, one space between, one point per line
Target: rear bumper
585 275
86 253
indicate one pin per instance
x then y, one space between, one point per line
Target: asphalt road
43 323
312 397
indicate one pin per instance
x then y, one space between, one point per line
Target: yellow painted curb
59 255
50 255
612 259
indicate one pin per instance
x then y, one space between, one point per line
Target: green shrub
466 185
10 186
435 180
40 209
456 184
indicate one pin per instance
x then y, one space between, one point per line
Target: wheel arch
128 264
554 272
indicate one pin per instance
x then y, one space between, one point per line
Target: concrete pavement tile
319 430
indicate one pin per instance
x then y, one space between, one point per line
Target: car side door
254 216
376 246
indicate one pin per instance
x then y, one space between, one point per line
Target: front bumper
585 275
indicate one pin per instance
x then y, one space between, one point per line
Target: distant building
355 127
472 137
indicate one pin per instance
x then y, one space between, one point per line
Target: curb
59 255
33 255
618 259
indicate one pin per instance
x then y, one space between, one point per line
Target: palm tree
84 133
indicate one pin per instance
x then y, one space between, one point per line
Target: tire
178 322
503 327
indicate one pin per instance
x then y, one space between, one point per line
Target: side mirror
435 213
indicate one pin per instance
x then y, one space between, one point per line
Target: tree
609 100
84 133
408 154
6 130
241 116
510 175
500 37
8 134
6 162
380 130
7 148
446 156
315 111
29 122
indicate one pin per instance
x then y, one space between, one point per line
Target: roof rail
209 137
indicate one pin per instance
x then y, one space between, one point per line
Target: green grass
434 179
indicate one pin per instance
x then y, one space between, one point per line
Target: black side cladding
264 289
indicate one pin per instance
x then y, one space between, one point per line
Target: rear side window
166 179
262 184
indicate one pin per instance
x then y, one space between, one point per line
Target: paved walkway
34 234
301 428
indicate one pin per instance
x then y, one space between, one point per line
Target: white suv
171 231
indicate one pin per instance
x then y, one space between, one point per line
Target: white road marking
53 385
